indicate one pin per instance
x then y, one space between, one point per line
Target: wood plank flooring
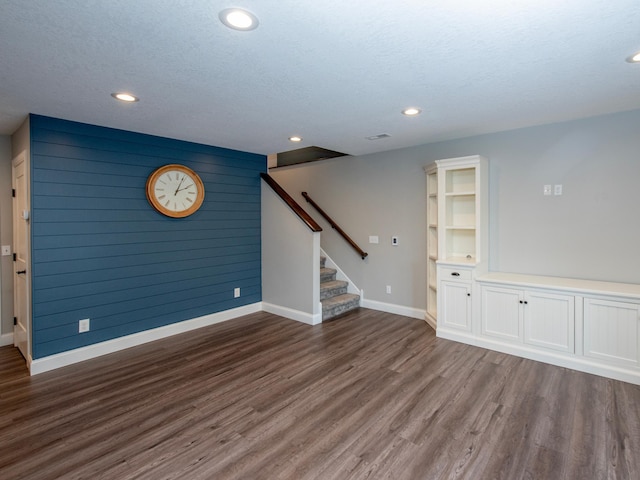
368 396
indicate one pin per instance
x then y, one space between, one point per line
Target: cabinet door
549 320
455 305
502 313
611 331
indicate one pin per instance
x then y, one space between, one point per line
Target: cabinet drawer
449 274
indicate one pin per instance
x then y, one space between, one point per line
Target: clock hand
178 189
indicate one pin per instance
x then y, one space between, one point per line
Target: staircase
333 294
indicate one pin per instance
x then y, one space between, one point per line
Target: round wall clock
175 191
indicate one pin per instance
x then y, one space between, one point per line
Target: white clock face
175 190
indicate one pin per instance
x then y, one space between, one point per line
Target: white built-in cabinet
457 232
455 297
586 325
532 317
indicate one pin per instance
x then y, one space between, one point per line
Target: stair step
332 307
327 274
332 288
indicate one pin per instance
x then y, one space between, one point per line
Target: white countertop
628 290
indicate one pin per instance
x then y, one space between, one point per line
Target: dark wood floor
370 395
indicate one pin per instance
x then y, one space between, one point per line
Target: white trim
70 357
291 314
576 363
6 339
340 275
430 321
396 309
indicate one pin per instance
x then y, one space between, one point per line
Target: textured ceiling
332 71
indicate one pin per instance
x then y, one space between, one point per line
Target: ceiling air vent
378 137
306 154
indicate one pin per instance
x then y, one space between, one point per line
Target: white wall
6 233
592 231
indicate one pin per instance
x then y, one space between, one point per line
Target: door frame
17 221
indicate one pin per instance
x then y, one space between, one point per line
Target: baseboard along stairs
333 294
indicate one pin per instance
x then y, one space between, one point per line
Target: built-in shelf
432 244
461 212
460 194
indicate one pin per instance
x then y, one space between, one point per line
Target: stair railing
335 226
293 205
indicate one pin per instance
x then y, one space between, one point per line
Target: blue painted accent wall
100 251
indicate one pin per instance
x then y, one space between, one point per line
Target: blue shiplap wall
100 251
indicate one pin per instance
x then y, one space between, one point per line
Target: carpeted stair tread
327 274
338 299
334 306
333 293
332 288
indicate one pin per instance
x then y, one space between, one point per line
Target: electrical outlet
83 325
389 289
547 190
394 241
557 189
236 292
6 250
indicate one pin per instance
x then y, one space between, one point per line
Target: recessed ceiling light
411 111
295 138
238 19
635 58
125 97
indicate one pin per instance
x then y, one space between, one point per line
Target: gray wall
6 232
592 231
290 259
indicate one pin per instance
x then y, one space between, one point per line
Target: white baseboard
6 339
581 364
291 314
63 359
396 309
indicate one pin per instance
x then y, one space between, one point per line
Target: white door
22 328
455 305
612 331
549 320
502 313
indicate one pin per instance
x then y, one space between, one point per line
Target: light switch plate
6 250
373 239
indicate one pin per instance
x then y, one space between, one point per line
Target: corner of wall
6 234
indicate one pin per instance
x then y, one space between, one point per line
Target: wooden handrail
335 226
293 205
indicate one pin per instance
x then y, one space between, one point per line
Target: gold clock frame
151 183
